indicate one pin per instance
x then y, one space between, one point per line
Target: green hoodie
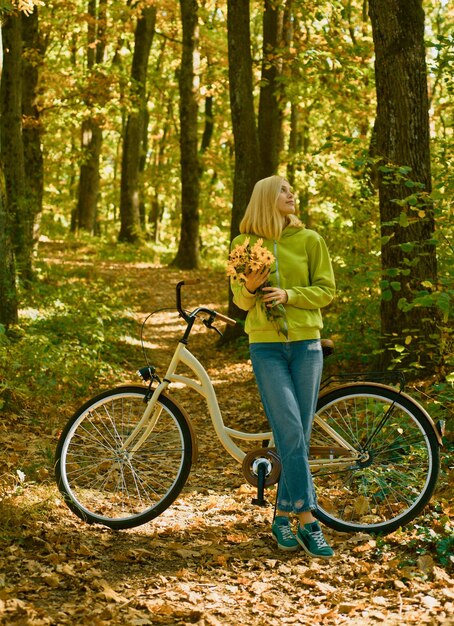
303 268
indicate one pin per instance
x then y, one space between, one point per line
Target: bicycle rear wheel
397 459
107 482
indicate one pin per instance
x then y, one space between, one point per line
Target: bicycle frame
204 387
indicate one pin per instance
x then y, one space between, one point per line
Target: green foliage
75 330
418 206
429 541
432 536
439 403
353 319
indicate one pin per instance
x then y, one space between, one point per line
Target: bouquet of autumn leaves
246 258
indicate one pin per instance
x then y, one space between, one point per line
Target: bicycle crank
261 468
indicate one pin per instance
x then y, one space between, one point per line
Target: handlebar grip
227 320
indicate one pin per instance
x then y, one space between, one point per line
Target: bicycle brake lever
208 324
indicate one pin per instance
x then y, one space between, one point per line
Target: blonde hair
262 216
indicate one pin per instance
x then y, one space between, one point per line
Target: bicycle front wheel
396 458
112 478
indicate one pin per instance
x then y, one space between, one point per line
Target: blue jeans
288 378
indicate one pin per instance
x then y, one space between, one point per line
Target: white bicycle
125 455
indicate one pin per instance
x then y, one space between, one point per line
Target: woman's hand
256 278
274 295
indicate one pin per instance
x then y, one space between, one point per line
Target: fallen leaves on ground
208 560
200 564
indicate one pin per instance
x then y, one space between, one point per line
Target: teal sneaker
282 532
311 539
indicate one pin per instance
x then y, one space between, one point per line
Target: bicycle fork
147 422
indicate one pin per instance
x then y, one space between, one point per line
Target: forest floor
209 559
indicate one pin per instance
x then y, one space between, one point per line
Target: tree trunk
298 149
188 249
133 145
8 293
12 147
300 115
33 51
91 143
143 162
87 202
247 153
209 125
410 333
270 115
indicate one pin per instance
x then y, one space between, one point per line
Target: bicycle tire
399 465
102 482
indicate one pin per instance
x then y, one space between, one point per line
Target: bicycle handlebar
225 319
189 317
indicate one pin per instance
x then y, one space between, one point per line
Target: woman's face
286 200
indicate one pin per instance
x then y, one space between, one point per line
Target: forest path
209 559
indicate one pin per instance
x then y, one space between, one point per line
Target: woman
287 357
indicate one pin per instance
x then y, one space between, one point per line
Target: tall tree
409 262
8 291
269 113
20 187
244 126
134 142
32 58
247 152
188 248
18 206
300 112
91 129
209 125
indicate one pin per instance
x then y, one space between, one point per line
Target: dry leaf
377 615
259 587
398 584
365 547
51 580
347 607
430 602
426 563
361 505
109 594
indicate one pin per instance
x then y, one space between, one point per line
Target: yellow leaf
361 505
51 580
426 563
68 570
109 593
